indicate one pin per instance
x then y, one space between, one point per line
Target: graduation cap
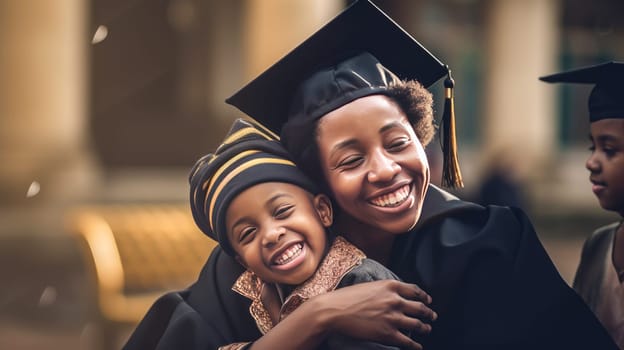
606 99
361 51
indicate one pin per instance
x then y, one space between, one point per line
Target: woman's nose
383 168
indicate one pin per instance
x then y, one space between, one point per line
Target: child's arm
373 311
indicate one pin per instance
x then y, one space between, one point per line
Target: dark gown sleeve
493 284
369 270
204 316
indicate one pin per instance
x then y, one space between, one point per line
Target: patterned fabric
341 258
235 346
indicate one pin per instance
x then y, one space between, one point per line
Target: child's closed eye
247 235
283 211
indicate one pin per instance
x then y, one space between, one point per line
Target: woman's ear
323 207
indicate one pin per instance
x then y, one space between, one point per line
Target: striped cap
250 154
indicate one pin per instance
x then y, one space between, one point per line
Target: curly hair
417 103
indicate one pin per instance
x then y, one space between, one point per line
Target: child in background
600 274
267 214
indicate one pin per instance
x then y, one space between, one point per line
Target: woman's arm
374 311
210 315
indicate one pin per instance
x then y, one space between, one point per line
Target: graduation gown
597 281
492 283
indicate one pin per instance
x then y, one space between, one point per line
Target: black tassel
451 174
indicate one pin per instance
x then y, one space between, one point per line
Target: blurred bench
134 254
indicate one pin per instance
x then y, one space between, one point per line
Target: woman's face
374 164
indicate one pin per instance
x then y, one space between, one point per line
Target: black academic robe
492 283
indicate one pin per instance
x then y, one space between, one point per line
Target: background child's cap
606 99
249 155
358 53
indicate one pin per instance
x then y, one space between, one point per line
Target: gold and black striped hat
249 155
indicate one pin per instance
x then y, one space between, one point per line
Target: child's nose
273 235
592 164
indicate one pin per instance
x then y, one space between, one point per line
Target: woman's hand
376 311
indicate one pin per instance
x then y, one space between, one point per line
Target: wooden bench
134 254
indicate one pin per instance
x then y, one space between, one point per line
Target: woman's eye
284 211
399 144
350 162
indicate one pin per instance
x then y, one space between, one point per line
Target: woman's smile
395 198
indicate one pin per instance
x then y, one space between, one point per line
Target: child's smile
278 231
290 257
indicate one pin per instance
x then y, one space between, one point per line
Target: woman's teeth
392 199
289 254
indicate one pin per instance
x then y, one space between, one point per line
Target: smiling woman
352 110
348 97
377 169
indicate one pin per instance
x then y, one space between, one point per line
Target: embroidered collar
341 258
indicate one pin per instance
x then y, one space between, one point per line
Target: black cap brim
588 75
361 27
606 99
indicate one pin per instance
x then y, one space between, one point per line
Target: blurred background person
502 182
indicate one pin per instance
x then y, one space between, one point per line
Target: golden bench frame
134 254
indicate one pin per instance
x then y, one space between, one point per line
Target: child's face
606 163
278 231
374 163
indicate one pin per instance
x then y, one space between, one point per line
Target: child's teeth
288 254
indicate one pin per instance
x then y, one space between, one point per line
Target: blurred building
112 101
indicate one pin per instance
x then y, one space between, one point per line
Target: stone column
273 28
43 99
519 109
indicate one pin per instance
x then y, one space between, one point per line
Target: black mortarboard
361 28
606 99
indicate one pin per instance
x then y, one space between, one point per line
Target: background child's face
278 231
606 163
374 163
